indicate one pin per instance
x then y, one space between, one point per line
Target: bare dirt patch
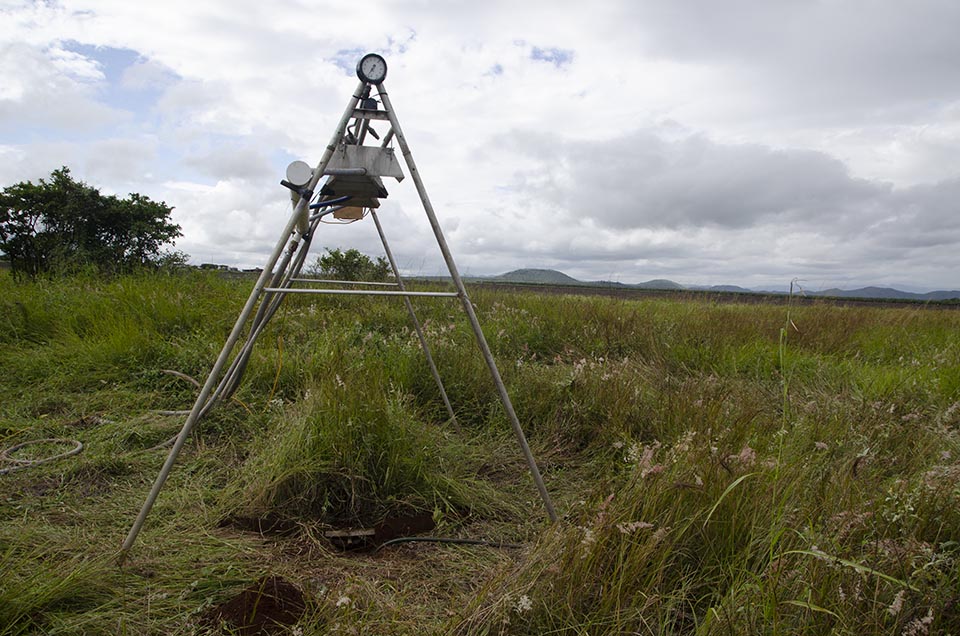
269 606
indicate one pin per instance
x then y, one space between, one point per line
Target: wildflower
524 604
339 381
633 526
618 444
897 603
588 537
653 470
685 442
746 456
602 509
945 455
578 366
642 458
660 534
821 445
343 601
919 626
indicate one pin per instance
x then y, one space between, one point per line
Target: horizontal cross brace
340 282
361 113
359 292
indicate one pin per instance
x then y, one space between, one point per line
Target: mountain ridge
554 277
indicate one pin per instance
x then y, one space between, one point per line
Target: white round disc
299 173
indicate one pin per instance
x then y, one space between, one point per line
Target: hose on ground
21 464
490 544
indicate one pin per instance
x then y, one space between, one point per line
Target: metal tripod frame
283 267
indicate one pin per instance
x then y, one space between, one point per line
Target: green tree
60 224
350 265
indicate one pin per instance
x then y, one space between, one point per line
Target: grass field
719 468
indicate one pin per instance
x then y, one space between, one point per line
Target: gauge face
372 68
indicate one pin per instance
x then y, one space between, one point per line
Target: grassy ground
720 469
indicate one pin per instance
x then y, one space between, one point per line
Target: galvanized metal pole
302 208
205 391
467 305
231 379
357 292
416 322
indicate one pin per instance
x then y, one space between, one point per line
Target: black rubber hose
491 544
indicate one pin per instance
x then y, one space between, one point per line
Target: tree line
60 224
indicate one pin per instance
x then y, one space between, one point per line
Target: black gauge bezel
362 75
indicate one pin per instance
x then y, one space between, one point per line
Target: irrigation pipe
268 306
194 382
30 463
490 544
285 275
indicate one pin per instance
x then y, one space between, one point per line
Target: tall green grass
726 469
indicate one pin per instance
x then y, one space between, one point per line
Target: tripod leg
416 322
302 208
467 305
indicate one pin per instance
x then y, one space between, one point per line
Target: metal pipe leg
268 306
467 305
207 387
302 208
416 322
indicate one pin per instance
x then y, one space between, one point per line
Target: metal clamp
303 191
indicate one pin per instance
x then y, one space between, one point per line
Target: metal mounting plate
378 162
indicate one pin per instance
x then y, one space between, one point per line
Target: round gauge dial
372 68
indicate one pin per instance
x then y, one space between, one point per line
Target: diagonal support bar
416 322
467 305
299 211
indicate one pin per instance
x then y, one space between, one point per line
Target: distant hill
886 293
730 289
658 283
553 277
536 276
539 276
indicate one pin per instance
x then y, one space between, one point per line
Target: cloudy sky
747 142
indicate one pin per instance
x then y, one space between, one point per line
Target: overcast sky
746 142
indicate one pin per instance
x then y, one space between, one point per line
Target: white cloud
737 142
51 89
